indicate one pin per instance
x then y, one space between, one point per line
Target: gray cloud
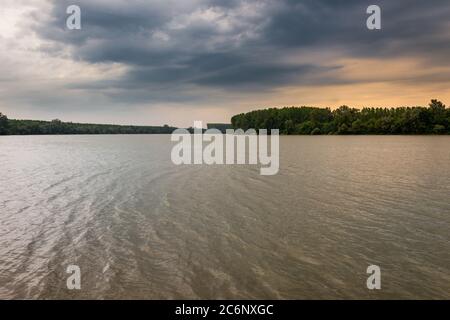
181 51
220 44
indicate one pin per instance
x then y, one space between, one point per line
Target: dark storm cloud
415 24
242 44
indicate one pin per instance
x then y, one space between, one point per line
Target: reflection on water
140 227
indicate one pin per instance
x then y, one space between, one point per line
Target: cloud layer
161 57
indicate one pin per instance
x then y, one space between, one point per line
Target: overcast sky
175 61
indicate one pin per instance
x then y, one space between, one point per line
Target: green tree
3 123
343 129
305 127
316 132
434 119
289 127
437 110
439 129
345 115
357 126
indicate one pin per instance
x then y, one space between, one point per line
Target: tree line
34 127
434 119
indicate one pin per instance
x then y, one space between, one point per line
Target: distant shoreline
12 127
431 120
281 135
298 121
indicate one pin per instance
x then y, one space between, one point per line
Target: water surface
140 227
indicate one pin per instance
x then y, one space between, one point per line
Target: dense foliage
434 119
32 127
3 123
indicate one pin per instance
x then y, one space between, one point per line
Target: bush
316 132
3 123
439 129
